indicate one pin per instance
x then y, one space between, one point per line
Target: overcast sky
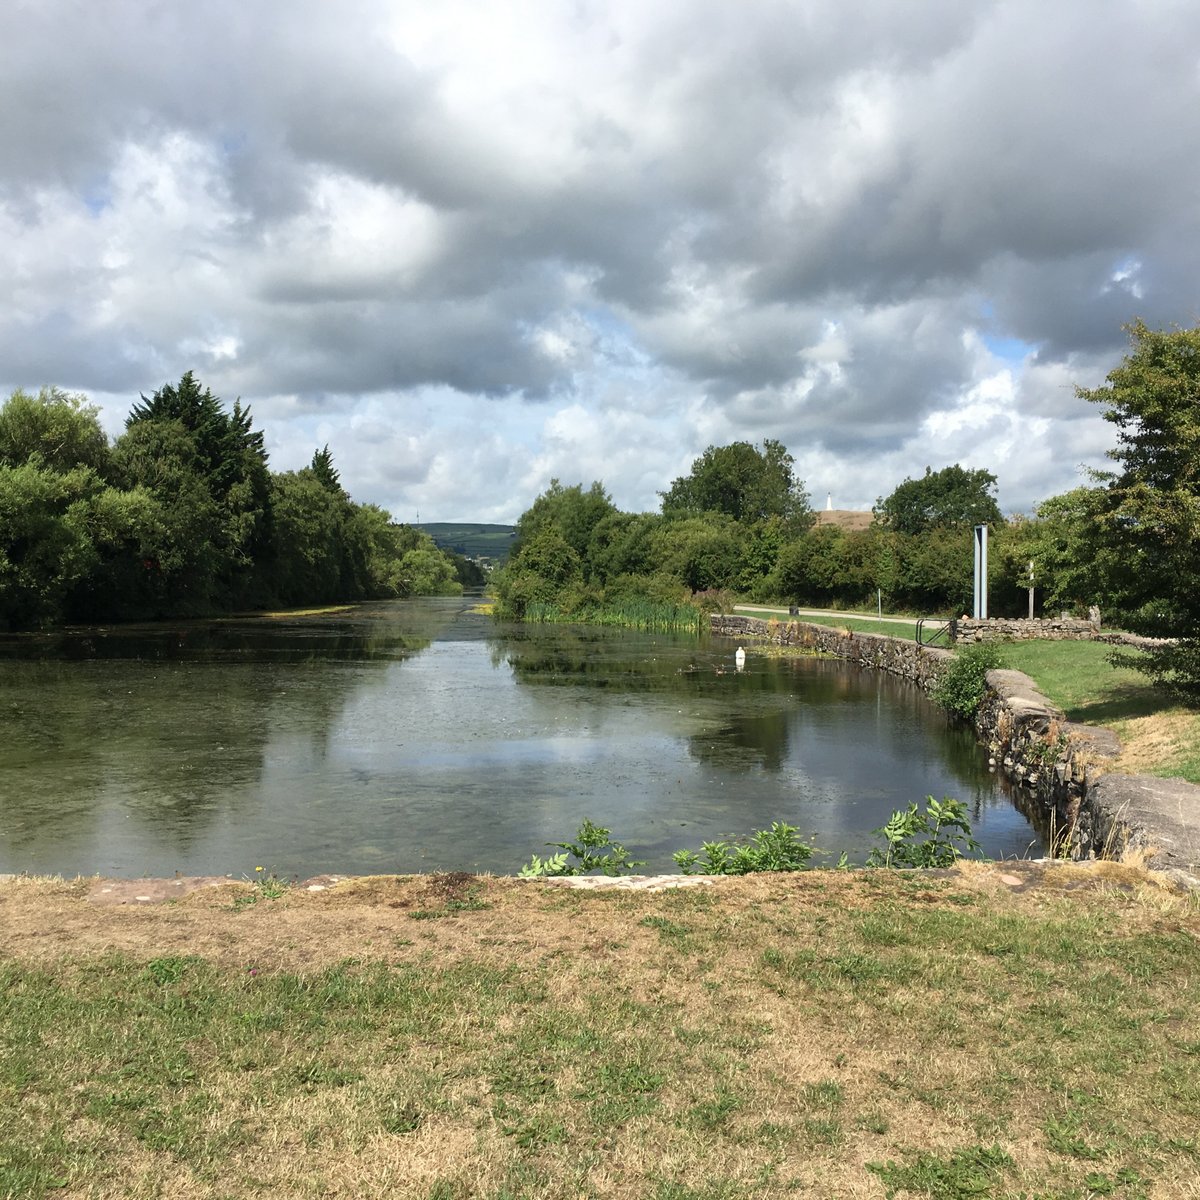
476 245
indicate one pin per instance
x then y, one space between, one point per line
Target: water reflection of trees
218 641
169 723
750 719
760 739
567 656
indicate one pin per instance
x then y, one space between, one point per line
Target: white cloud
473 247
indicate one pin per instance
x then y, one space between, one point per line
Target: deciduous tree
1148 519
742 482
952 498
61 430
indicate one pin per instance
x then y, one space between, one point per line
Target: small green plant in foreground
925 839
266 887
937 837
960 689
592 851
774 849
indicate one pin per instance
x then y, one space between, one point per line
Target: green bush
925 839
774 849
592 851
961 688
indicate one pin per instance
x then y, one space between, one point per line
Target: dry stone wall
966 630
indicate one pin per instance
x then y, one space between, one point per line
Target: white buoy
740 659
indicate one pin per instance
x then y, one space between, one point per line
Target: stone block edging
1059 764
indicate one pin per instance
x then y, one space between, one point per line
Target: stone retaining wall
1057 763
1063 769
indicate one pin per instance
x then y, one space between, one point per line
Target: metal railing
941 630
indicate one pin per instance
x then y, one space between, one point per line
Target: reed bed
628 614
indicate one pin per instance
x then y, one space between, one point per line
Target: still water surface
420 736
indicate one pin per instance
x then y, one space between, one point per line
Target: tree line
181 516
740 522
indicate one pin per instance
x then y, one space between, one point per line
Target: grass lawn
1160 735
1005 1030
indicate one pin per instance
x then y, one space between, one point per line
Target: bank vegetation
181 516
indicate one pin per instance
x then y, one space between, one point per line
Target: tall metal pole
981 572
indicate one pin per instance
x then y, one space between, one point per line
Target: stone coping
1018 874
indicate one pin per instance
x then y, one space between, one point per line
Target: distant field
472 540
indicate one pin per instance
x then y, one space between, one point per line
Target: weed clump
960 690
774 849
925 839
592 850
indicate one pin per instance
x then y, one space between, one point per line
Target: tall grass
634 613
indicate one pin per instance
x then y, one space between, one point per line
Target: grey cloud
722 182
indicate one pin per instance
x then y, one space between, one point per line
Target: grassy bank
1006 1030
1159 734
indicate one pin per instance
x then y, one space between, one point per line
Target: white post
1031 589
981 575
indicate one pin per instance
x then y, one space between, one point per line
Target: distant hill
845 518
472 540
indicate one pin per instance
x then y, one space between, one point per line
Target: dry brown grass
850 519
1150 741
765 1036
